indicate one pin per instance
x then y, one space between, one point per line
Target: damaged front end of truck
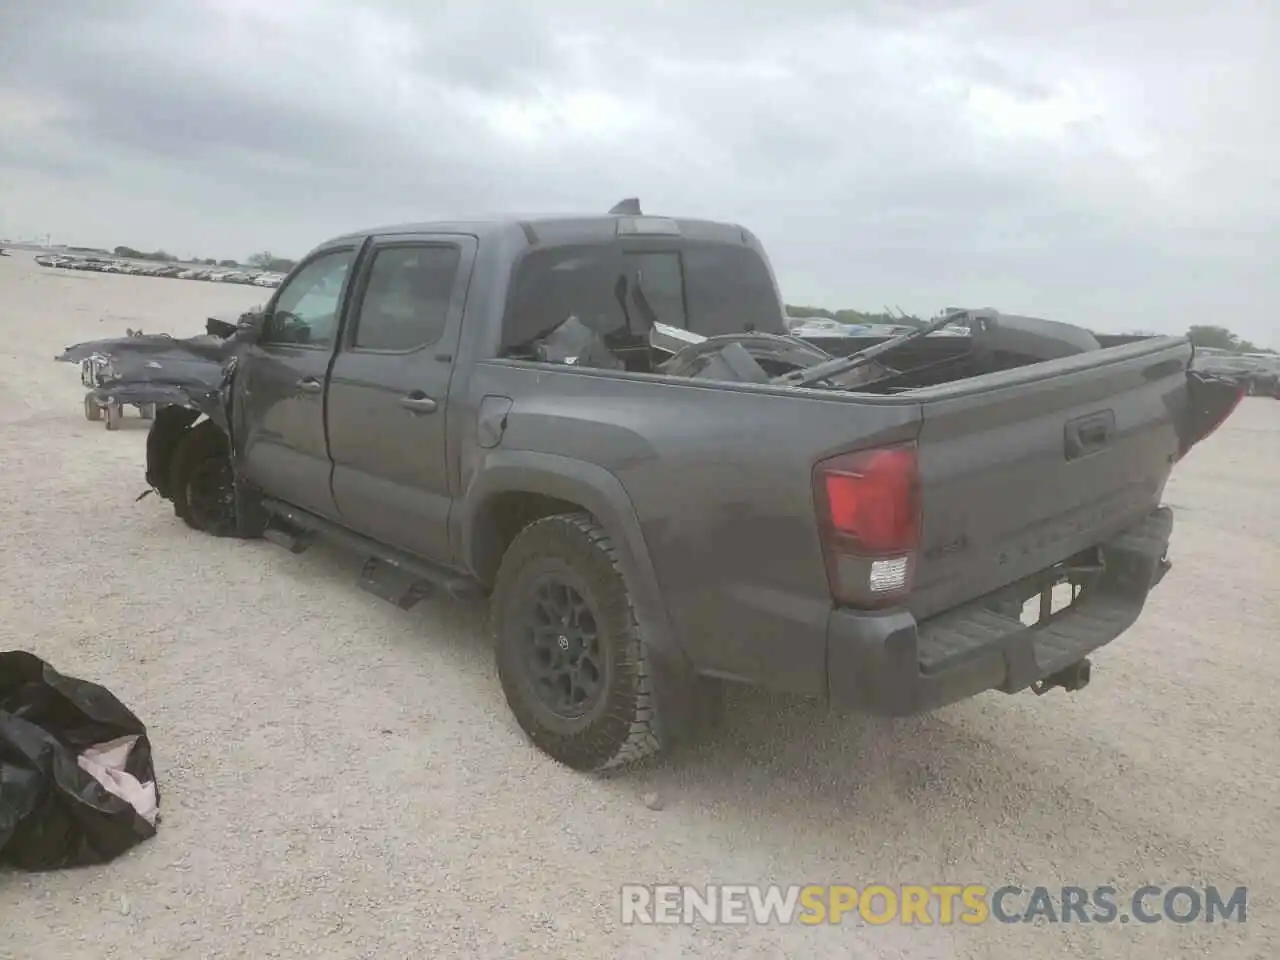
190 453
152 370
185 383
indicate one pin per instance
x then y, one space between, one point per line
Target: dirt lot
342 779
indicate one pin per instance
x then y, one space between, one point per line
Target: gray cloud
1086 162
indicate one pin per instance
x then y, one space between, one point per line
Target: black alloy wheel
565 661
571 652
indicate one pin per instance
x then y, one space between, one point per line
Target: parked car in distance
1259 373
601 424
1266 378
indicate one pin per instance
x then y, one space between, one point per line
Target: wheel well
502 518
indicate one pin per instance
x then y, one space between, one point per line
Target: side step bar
388 573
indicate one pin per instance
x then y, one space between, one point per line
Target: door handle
310 385
1090 434
418 402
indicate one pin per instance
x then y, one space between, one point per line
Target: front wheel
571 657
92 409
203 482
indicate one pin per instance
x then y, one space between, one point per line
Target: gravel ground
342 779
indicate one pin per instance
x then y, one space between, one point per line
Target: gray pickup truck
601 424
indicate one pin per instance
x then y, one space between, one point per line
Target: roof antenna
629 207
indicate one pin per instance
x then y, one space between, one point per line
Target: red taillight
869 509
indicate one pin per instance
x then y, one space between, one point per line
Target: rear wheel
92 409
114 414
202 481
571 657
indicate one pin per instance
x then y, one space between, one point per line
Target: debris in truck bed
77 779
995 341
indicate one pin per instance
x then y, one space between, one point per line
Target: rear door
389 388
280 382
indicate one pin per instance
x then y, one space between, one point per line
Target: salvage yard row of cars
570 416
256 278
1259 373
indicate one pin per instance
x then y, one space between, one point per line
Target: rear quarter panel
720 479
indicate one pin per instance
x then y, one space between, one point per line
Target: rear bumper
888 664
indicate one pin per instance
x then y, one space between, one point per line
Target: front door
389 391
280 384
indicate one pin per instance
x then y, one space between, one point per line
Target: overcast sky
1067 160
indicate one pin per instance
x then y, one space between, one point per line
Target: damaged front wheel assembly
202 481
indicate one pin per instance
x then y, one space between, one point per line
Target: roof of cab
555 228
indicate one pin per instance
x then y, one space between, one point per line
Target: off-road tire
92 409
114 414
203 446
622 727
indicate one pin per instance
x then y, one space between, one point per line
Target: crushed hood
160 358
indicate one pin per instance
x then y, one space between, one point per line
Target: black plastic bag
54 811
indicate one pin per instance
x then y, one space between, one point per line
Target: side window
307 308
660 276
406 301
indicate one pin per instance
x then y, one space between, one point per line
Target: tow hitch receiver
1071 679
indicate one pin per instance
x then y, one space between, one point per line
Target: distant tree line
262 261
132 254
1221 338
266 260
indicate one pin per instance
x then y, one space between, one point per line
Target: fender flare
596 490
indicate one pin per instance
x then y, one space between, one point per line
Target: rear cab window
617 290
659 278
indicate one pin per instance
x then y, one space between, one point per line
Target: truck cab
347 397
